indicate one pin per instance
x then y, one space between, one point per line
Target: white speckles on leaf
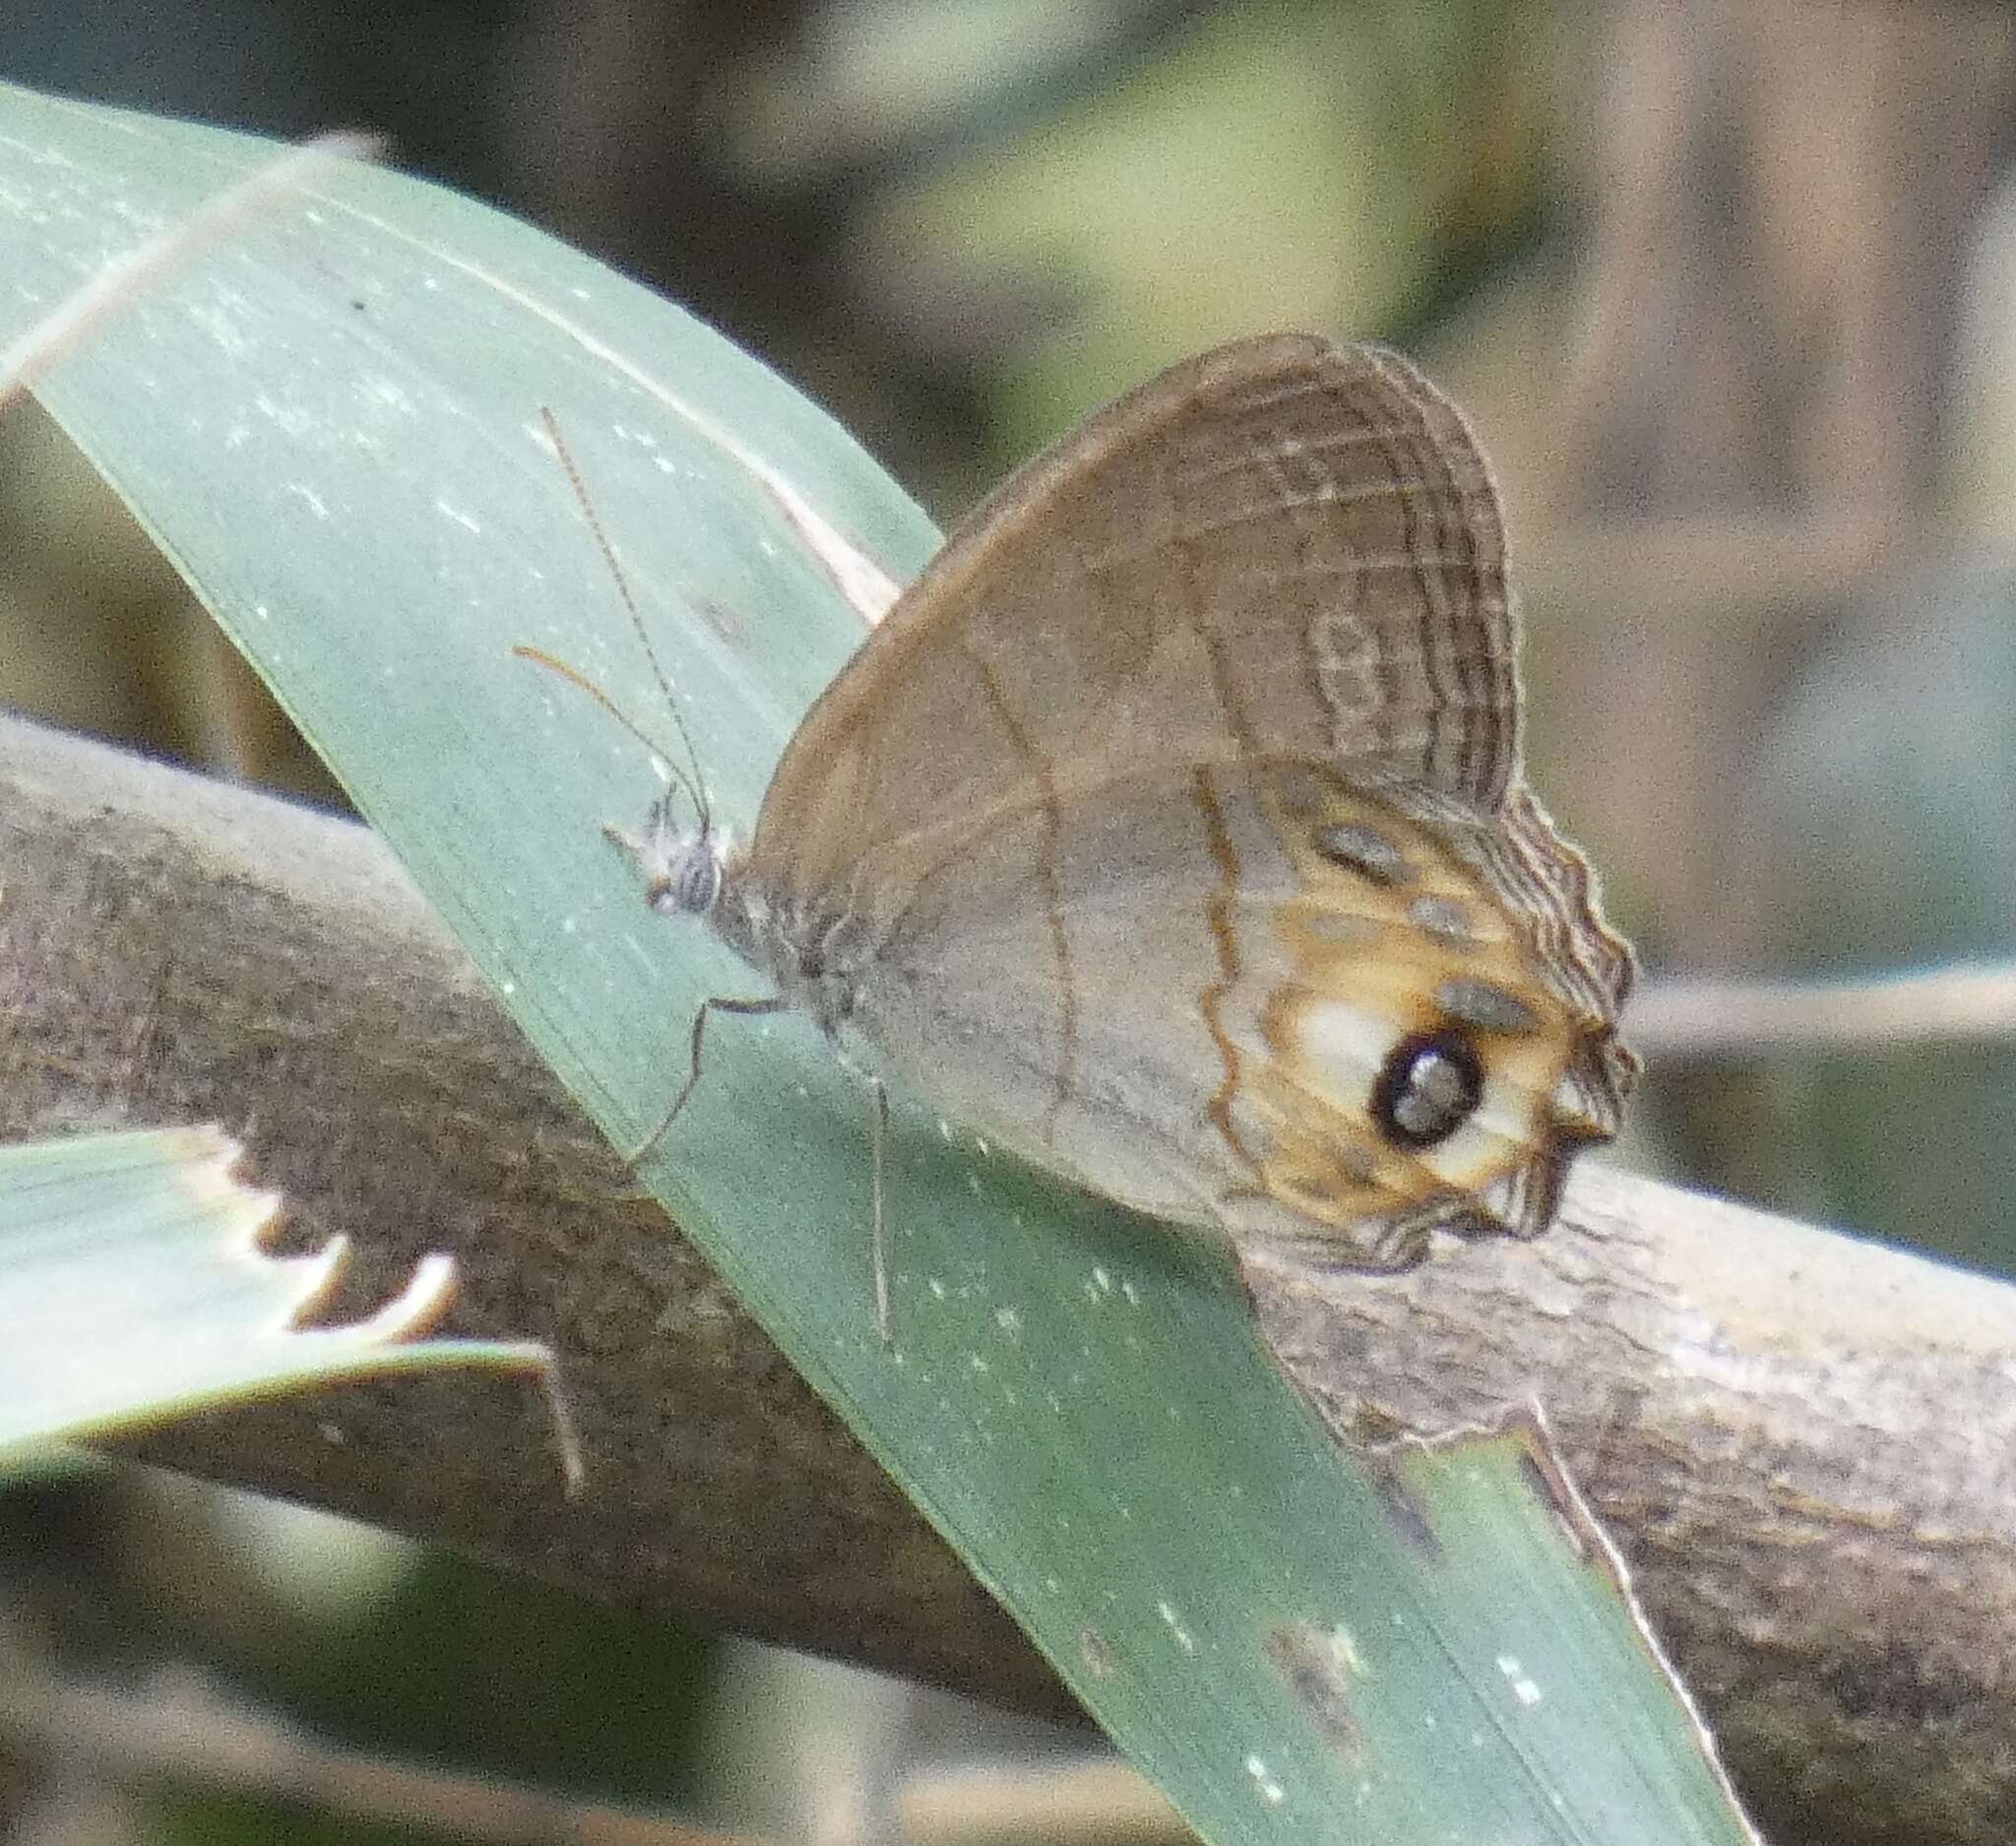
1524 1688
1271 1791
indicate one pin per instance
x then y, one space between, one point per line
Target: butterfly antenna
574 677
657 671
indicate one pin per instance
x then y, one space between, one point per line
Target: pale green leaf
134 1288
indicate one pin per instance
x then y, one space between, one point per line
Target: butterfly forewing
1280 549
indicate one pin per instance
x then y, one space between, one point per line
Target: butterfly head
683 866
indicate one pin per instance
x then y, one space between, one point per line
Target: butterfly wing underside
1181 795
1223 563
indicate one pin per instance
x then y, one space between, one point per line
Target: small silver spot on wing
1364 850
1443 918
1486 1007
1427 1089
1579 1109
1435 1096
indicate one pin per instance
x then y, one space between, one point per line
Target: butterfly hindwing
1188 996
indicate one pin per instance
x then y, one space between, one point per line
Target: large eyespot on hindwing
1428 1087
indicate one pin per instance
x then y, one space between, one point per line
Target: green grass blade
333 426
134 1288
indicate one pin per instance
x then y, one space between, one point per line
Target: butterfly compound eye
690 885
696 879
1430 1087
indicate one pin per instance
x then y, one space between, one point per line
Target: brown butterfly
1171 827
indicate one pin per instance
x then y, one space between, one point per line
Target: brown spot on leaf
1318 1669
1405 1516
726 622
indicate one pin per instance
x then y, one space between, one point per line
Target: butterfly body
1172 828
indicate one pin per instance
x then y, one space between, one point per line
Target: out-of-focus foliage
1877 835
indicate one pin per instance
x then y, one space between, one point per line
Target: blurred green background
1727 291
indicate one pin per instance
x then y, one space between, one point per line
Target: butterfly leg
883 1324
714 1004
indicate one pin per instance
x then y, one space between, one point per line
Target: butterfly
1172 828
